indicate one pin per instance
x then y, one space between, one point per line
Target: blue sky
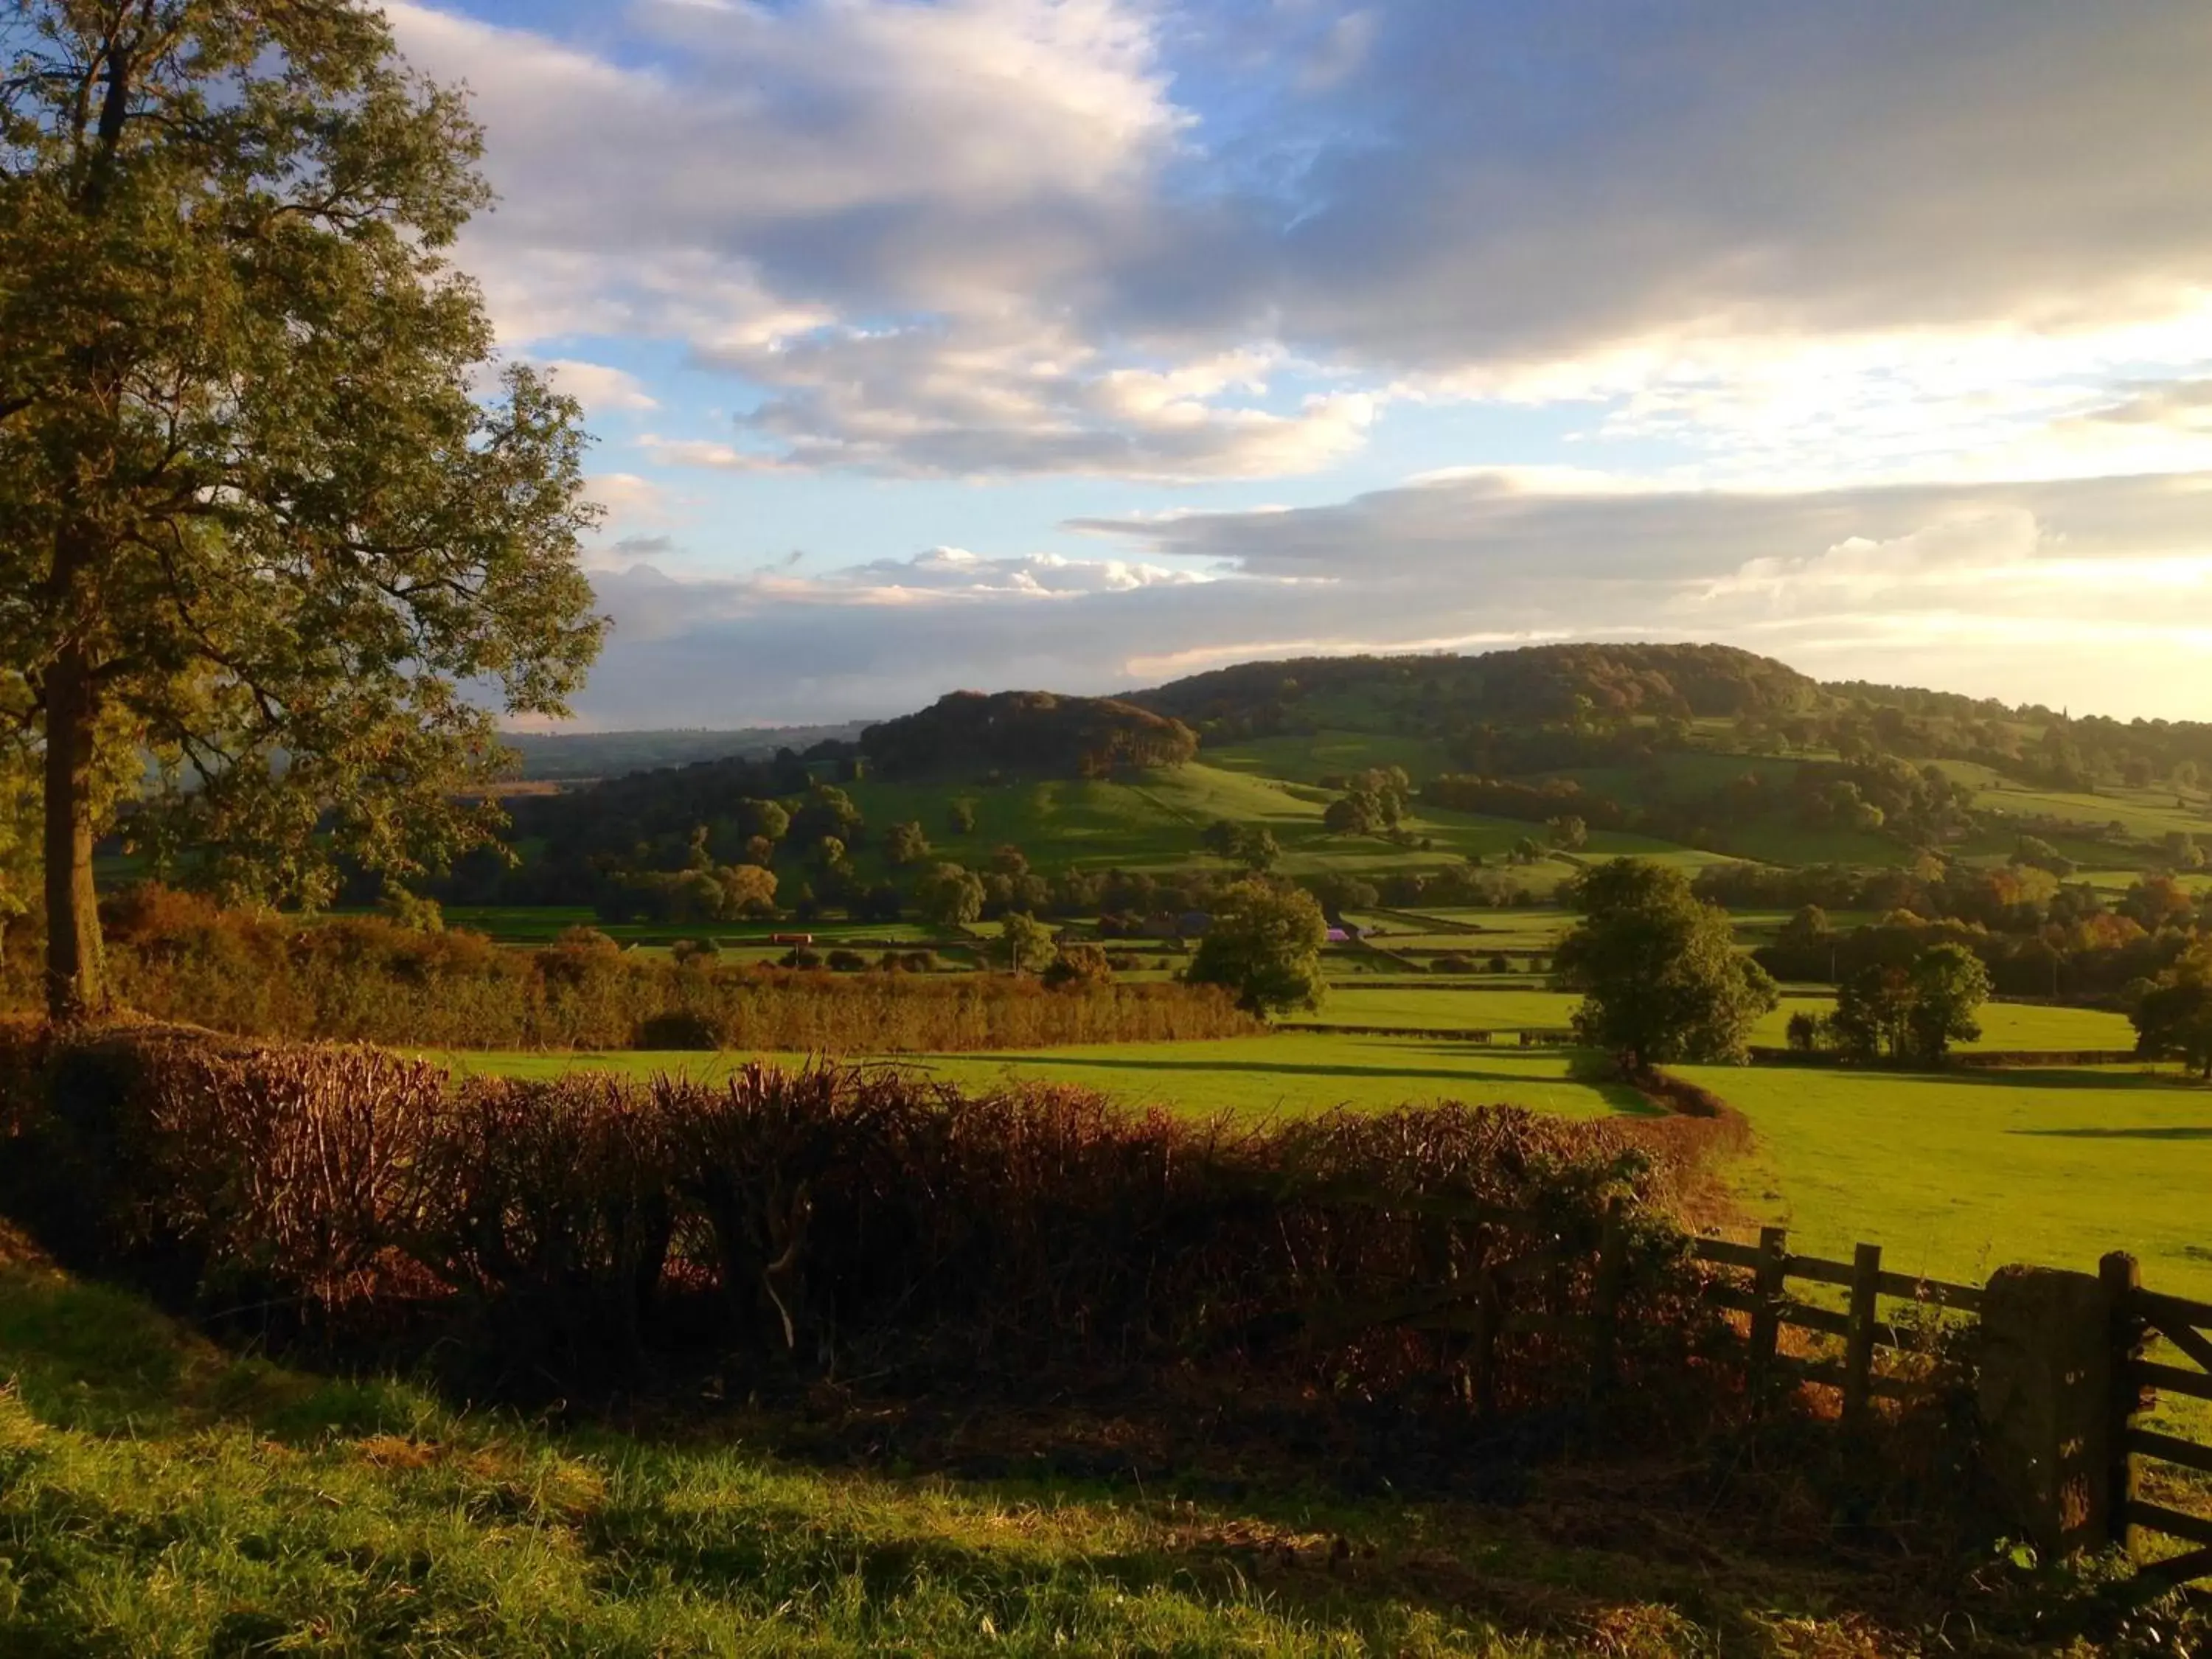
1078 343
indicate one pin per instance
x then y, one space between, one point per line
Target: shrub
1452 962
843 1218
847 962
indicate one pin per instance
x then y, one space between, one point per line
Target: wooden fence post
1483 1358
2121 1279
1858 1343
1605 1301
1767 1290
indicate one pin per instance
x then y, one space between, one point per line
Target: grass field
2005 1026
1956 1174
1247 1078
160 1497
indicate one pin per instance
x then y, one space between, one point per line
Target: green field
1489 1007
1956 1174
1250 1077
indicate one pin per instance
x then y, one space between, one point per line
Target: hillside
1418 782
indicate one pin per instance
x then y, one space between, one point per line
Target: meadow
1956 1174
1495 1005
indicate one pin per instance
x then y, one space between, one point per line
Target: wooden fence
1860 1324
1891 1336
2138 1315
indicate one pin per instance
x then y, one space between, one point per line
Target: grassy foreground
160 1497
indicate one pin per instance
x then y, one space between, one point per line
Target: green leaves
252 490
1659 971
1264 943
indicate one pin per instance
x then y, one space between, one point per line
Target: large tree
2173 1017
266 514
1915 1012
1264 942
1658 969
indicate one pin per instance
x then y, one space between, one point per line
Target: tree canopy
2173 1015
1264 943
258 517
1911 1012
1658 969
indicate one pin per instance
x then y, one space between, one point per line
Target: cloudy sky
1079 344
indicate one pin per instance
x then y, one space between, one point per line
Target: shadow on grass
2178 1131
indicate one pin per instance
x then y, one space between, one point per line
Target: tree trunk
77 976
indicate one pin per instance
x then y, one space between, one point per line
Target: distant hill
1034 732
1533 685
568 756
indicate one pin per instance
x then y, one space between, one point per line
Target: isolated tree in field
1264 944
1911 1012
1028 942
2173 1015
1949 985
949 897
961 817
1568 832
258 518
1658 969
1257 849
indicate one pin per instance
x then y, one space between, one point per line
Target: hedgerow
176 956
833 1219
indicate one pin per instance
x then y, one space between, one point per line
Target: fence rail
2139 1315
1863 1330
1883 1313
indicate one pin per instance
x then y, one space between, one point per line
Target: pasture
1492 1006
1957 1174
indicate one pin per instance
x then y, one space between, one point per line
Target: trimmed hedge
827 1219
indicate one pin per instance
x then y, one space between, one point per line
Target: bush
843 1218
847 961
1452 962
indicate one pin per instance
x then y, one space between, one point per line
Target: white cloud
983 237
2086 590
598 387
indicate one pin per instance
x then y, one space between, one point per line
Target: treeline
966 734
1531 685
258 974
1918 805
2034 743
558 1234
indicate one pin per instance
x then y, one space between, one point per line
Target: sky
1078 344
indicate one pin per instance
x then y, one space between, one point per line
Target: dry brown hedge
177 957
826 1219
